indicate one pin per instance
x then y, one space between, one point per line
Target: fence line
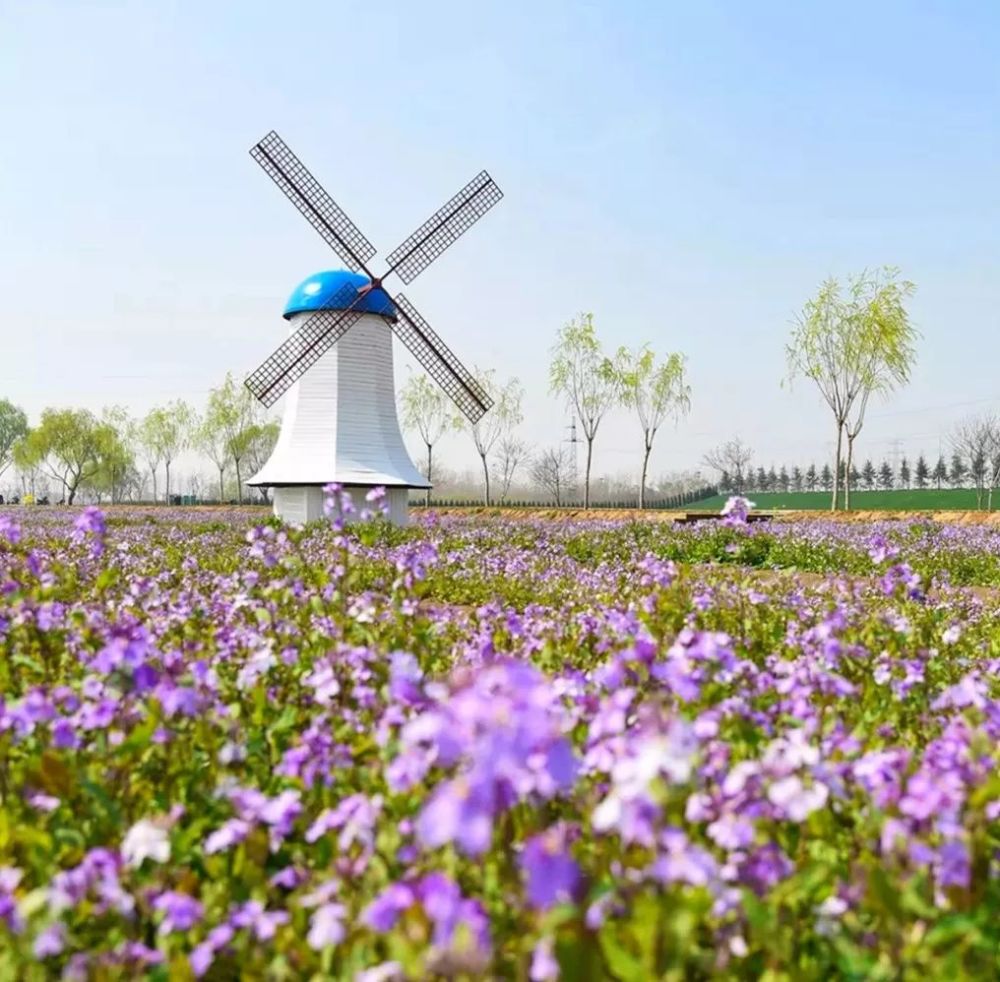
669 502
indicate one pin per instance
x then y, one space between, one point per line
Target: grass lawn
928 499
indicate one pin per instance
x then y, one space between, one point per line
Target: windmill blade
305 347
320 210
455 217
439 362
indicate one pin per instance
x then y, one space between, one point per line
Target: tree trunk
239 483
222 485
152 470
486 480
586 477
429 450
847 473
167 491
836 468
642 482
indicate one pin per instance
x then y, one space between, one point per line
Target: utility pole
573 440
896 449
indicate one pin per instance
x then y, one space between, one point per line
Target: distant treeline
975 472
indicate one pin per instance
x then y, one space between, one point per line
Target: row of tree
110 456
589 381
974 463
867 478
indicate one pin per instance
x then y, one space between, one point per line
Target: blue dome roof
319 290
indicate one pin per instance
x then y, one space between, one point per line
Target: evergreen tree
922 472
904 473
956 476
868 475
811 477
855 476
772 479
977 469
885 480
783 479
796 479
725 482
826 478
761 479
940 474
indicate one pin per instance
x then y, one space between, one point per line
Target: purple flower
457 812
50 942
544 966
10 877
181 911
91 523
405 678
552 875
355 816
736 510
383 912
795 800
10 530
326 928
449 911
680 861
731 831
252 916
227 835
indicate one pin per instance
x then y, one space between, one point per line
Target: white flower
145 841
795 799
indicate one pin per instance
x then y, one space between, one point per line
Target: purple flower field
496 749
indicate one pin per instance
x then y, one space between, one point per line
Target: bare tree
512 452
977 440
551 471
427 410
731 457
498 422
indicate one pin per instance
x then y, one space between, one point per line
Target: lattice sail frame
305 346
308 195
439 361
415 253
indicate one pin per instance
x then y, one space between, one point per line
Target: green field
929 499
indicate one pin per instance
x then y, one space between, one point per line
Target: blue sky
688 172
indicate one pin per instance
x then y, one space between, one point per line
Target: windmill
335 368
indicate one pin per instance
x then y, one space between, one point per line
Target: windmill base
304 503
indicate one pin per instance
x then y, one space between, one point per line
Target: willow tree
586 379
13 429
429 411
853 343
655 392
165 432
232 417
69 444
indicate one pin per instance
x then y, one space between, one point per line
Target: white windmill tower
339 422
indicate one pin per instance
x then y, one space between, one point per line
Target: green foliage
248 630
73 446
13 429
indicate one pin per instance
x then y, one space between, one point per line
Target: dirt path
663 515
